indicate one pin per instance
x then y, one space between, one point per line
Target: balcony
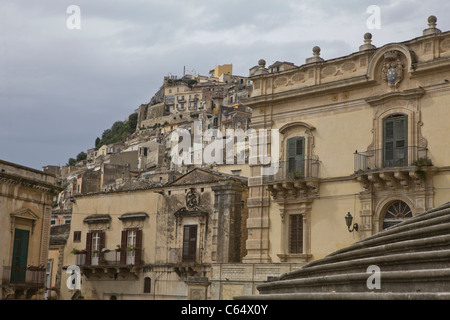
401 167
109 263
294 179
23 277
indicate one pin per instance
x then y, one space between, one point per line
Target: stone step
428 280
413 259
349 296
392 262
438 225
432 249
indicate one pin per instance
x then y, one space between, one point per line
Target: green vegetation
72 161
118 132
422 162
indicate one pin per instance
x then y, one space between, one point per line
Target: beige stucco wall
26 197
339 105
114 204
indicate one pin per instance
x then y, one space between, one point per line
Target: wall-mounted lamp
348 221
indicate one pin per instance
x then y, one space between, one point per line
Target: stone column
258 219
228 207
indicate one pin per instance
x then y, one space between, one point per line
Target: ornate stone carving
392 70
192 199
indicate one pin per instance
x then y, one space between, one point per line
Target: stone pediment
197 211
201 176
25 213
194 212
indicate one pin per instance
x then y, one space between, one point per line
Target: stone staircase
412 257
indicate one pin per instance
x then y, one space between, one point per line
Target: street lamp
348 222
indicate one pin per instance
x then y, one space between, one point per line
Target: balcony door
131 244
395 141
189 243
296 157
20 254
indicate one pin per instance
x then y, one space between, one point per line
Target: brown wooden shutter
138 252
296 233
147 285
76 236
101 244
123 246
189 242
88 248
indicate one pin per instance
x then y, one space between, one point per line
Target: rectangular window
147 285
76 236
95 242
131 244
296 233
189 243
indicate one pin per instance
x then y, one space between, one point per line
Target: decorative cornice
296 124
97 218
29 183
403 95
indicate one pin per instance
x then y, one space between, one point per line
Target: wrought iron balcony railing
111 258
294 170
25 276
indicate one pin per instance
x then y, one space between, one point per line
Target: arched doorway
396 212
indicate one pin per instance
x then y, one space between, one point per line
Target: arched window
395 213
147 285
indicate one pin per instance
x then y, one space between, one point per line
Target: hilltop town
143 157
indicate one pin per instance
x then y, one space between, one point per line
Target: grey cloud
60 88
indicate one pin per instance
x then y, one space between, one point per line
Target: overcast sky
61 87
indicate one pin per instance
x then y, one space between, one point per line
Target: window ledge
294 257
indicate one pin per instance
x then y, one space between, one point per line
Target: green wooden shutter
395 143
20 255
296 155
401 145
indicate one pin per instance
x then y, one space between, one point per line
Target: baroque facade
26 197
364 134
157 242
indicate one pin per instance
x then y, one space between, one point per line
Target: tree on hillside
81 156
118 132
72 162
97 142
132 122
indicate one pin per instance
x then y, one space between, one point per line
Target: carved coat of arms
192 199
392 70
